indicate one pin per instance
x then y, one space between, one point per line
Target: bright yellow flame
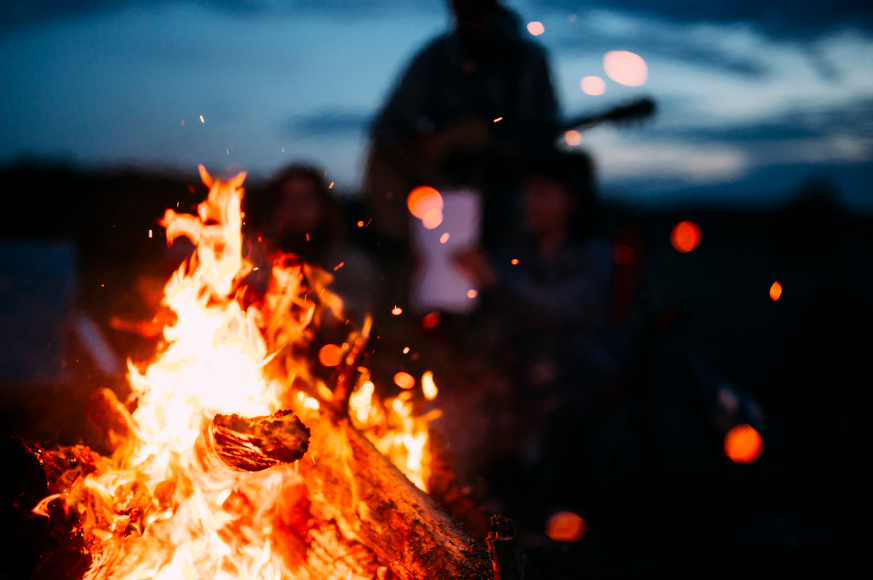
163 507
428 386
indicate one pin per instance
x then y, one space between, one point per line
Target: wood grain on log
350 481
257 443
504 550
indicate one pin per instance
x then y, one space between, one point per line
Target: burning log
504 550
353 483
256 443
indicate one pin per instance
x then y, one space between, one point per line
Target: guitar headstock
636 110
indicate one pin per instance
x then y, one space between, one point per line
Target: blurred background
762 143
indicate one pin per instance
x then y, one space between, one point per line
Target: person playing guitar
473 105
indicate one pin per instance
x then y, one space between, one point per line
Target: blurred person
472 105
307 221
553 293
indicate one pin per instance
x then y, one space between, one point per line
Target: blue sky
754 97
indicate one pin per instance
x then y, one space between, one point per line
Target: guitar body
391 175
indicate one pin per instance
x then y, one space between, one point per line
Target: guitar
391 174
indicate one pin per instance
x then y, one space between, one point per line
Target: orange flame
162 508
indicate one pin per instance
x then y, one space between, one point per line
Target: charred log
505 552
351 482
257 443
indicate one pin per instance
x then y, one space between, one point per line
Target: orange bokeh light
622 254
743 444
472 293
593 86
775 291
535 28
565 527
430 320
330 355
685 236
424 199
625 68
433 218
404 380
572 138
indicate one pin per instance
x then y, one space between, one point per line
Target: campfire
233 461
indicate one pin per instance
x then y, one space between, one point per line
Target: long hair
576 172
329 229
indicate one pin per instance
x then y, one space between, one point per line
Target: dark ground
691 513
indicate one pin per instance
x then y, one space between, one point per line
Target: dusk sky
755 98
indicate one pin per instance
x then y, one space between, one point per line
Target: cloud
793 18
331 122
17 14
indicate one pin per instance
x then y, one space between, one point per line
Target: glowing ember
565 527
743 444
430 320
423 199
404 380
775 291
330 355
685 236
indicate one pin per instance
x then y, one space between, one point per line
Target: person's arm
581 298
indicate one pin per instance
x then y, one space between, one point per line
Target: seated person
305 220
553 291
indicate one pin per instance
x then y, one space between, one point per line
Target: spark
498 119
514 261
360 223
201 119
444 238
396 311
472 293
406 350
338 266
331 185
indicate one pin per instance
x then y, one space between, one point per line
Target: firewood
257 443
505 552
351 482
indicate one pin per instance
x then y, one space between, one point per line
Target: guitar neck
634 111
